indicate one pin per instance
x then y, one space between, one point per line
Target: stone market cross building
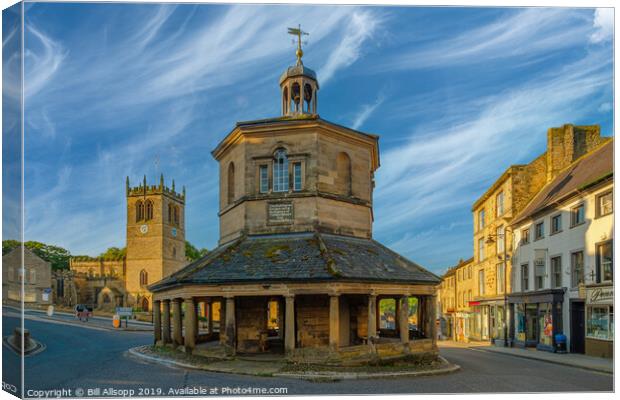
297 270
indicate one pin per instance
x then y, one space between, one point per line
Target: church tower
155 237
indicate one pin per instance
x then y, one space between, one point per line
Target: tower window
264 178
149 210
174 252
280 172
177 220
231 183
139 210
144 278
297 176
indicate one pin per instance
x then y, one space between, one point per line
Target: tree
57 256
114 253
192 253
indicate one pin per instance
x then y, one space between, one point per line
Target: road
78 357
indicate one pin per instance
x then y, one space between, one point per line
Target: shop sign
600 295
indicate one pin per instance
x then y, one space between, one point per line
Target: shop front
600 320
462 326
537 318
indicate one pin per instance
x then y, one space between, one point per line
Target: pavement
77 357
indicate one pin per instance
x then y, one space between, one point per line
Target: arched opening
308 97
149 210
139 210
177 220
343 169
280 171
174 252
231 183
144 278
106 298
285 101
296 96
145 304
170 214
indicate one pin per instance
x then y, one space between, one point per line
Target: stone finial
183 191
127 185
144 184
161 182
173 185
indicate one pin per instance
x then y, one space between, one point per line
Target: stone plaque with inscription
280 213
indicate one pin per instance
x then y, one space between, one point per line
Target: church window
144 278
343 168
280 172
177 220
139 210
149 210
170 214
231 183
264 178
297 176
174 252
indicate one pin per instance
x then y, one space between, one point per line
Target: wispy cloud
361 26
530 32
366 111
42 58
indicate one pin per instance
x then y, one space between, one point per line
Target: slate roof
306 257
586 171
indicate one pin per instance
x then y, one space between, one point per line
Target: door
577 327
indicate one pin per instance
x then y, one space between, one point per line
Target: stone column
209 307
433 318
190 324
334 321
281 319
157 320
196 319
397 314
166 322
230 323
372 317
177 322
289 324
404 319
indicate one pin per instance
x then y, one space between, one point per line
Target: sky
456 94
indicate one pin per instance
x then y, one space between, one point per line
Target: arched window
144 278
230 193
177 220
139 210
149 210
285 101
296 96
170 214
280 171
343 169
174 252
145 304
308 96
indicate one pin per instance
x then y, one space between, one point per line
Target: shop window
556 224
600 322
604 204
520 322
556 271
576 268
577 215
545 324
264 178
604 262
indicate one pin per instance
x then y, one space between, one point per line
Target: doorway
577 327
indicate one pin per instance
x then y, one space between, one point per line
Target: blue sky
456 94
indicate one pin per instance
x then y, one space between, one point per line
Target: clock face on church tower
144 228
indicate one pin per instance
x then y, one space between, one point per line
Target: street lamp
491 240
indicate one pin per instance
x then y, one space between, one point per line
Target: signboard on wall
600 295
280 213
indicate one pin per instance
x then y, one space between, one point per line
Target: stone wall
312 321
251 318
567 143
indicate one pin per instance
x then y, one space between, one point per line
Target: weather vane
298 32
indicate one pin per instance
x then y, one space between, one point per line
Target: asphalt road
77 357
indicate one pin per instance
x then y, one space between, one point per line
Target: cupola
298 84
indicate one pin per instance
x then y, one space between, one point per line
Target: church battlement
143 189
